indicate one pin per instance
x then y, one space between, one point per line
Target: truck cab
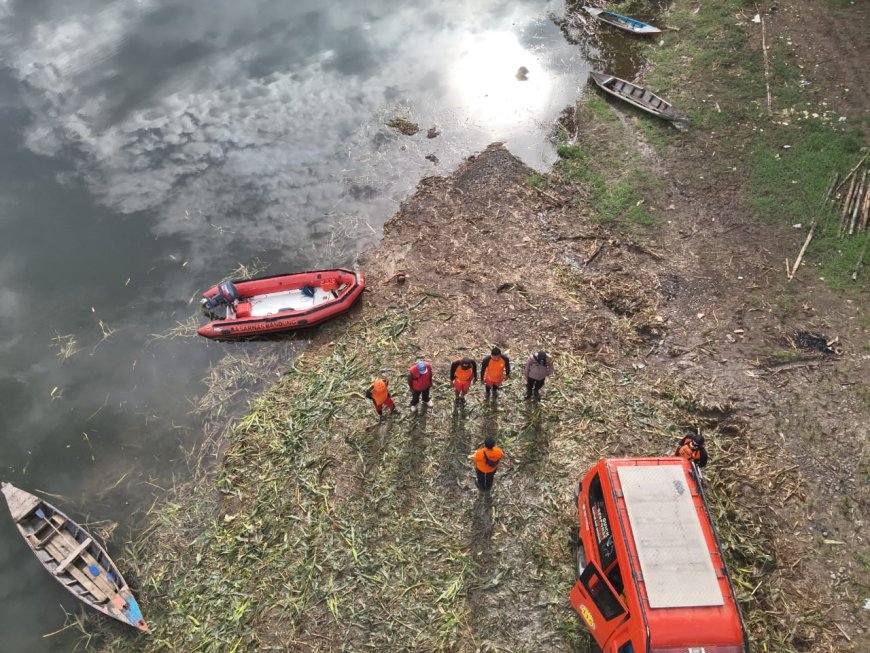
651 577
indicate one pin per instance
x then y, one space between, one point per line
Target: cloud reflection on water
213 114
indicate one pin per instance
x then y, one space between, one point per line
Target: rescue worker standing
537 369
420 381
463 372
494 369
486 460
692 448
379 393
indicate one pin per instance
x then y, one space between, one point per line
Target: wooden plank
75 553
102 581
59 554
64 546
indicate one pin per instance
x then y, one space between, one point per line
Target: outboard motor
216 307
228 291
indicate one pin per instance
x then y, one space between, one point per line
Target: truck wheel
580 559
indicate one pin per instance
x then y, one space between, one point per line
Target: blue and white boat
622 22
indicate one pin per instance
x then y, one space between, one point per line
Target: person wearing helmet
494 369
691 447
463 372
486 460
537 369
379 393
420 381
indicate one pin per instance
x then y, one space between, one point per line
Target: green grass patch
787 355
536 180
727 105
787 186
618 188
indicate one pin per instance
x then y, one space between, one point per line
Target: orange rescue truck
651 575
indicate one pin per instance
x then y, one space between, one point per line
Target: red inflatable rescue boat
281 302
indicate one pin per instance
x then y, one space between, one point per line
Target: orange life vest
379 391
692 455
494 370
486 460
464 374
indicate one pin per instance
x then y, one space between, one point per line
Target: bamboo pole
830 188
846 203
766 63
790 272
800 255
857 203
865 212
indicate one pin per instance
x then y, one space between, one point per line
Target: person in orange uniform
379 393
486 460
420 381
494 369
463 372
691 448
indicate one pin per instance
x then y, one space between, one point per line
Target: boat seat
56 521
75 553
243 309
647 96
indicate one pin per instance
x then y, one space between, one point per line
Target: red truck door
598 603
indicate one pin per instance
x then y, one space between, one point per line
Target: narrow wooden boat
72 556
639 97
280 302
622 22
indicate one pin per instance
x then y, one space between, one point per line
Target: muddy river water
150 147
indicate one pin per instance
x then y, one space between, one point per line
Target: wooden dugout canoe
639 96
72 557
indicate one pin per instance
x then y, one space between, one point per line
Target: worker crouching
692 448
379 394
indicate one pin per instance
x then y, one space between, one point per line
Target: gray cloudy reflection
251 120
